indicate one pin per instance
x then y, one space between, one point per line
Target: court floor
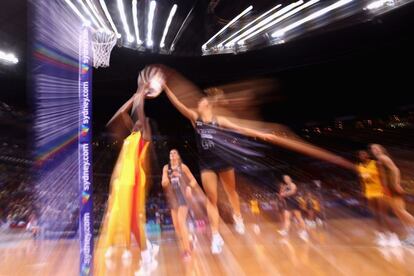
344 247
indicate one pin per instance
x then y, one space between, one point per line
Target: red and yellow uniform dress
316 206
302 203
126 204
254 207
371 180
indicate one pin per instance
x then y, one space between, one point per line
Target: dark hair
362 151
179 156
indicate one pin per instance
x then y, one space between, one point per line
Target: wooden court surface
344 247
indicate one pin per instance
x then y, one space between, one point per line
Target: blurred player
212 165
126 204
391 179
313 209
374 193
255 210
174 176
213 149
288 192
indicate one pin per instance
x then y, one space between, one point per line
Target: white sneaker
153 249
126 255
239 224
319 221
147 268
216 244
256 229
312 224
152 265
381 239
283 232
109 252
304 235
393 240
193 240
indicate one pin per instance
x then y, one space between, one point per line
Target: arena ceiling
199 27
206 27
348 31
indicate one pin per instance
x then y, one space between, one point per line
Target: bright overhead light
204 47
108 16
167 25
135 19
8 58
77 12
283 17
182 27
130 37
151 13
220 45
262 25
86 10
95 12
313 16
379 4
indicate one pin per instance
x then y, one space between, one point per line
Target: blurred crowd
22 207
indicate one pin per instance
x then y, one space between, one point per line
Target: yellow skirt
125 214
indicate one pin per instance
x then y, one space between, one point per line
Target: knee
230 188
182 218
211 200
233 192
182 212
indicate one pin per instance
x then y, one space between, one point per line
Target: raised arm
226 123
185 111
288 143
123 113
139 105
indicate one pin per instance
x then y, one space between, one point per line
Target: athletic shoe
312 224
393 240
153 249
319 221
148 263
304 235
147 268
381 239
186 256
238 224
283 232
256 229
109 252
126 255
193 240
216 244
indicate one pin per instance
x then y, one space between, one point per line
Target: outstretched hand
152 80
